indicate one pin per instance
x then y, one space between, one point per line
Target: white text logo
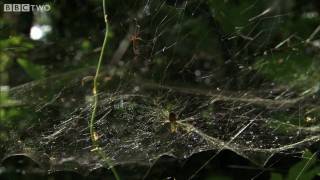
25 7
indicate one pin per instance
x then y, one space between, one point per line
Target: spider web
166 62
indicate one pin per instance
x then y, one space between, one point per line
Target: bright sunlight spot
36 32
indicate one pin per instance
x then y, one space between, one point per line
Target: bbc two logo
25 7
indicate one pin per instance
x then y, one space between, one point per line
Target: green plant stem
306 165
96 98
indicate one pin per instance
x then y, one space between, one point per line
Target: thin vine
93 133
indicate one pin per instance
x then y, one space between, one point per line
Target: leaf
220 177
33 70
301 170
276 176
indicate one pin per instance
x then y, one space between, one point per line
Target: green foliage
284 67
306 169
16 43
234 16
218 177
276 176
5 60
12 115
292 70
33 70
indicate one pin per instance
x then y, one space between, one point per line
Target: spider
135 38
173 122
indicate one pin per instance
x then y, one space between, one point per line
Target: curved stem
93 133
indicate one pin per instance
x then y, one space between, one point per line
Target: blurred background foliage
237 45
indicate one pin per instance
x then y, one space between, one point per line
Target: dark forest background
232 45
